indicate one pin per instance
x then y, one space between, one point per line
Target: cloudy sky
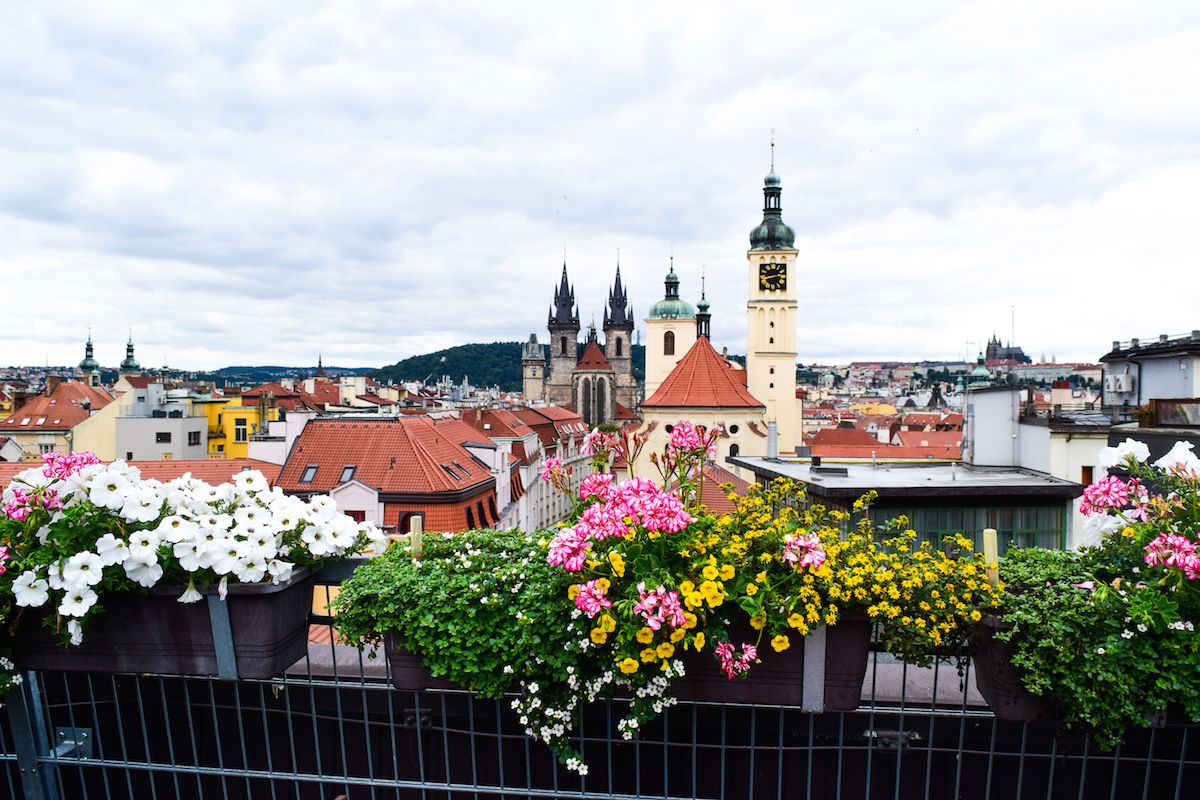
254 185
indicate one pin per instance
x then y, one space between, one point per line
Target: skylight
310 472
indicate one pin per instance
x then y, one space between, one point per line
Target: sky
236 183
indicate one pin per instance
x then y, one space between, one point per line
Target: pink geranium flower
591 599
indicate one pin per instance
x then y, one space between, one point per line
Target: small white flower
281 571
111 550
191 595
1126 634
146 573
1141 628
76 631
83 569
77 602
1100 650
30 590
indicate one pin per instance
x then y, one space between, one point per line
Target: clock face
772 277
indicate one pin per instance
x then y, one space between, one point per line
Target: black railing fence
333 726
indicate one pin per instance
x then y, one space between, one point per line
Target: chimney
52 382
19 398
772 440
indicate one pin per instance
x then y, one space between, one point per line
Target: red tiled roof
702 379
138 381
593 358
713 496
552 423
498 421
844 436
930 439
60 411
626 413
400 456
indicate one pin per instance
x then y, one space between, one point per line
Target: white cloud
254 185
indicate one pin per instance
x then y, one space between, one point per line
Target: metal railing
333 726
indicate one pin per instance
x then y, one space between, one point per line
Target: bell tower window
562 345
669 343
619 351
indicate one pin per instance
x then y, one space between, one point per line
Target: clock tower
772 311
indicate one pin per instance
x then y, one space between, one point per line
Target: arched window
669 343
562 346
734 450
585 390
619 352
601 402
772 370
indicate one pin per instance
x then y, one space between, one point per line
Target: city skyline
257 186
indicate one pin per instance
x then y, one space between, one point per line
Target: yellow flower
795 621
678 634
694 600
710 572
618 563
644 636
761 577
690 620
665 650
716 600
757 621
751 589
648 655
698 642
628 666
606 623
686 588
573 592
599 635
975 615
603 583
780 643
726 572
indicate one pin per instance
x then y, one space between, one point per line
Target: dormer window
310 472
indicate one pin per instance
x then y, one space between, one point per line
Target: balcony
216 433
333 726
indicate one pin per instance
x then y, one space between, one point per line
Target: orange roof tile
593 358
62 410
702 379
844 436
886 451
209 470
930 438
396 456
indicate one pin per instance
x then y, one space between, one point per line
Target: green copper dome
772 233
89 363
671 306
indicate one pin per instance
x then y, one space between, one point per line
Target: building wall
356 498
771 345
990 428
137 438
748 443
98 433
1165 377
1033 448
658 363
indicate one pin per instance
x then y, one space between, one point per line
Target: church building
594 380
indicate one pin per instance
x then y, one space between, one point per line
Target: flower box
779 679
407 670
154 633
1000 682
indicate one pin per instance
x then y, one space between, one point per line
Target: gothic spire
564 311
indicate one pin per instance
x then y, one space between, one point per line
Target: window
450 472
220 448
470 518
619 352
219 419
162 437
562 345
310 472
492 508
771 370
734 450
669 343
41 421
239 429
669 428
357 516
734 428
193 438
347 475
45 448
771 340
483 517
1085 476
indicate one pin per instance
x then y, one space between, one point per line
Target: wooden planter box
154 633
778 680
999 680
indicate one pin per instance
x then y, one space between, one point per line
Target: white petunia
76 631
76 602
54 576
317 540
143 545
1099 526
30 590
83 569
109 490
227 557
191 556
146 573
1181 458
1115 456
175 529
280 571
191 595
111 550
142 504
250 480
251 570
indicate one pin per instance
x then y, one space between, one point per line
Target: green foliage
481 608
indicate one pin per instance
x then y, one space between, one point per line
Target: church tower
618 341
130 365
533 371
564 342
670 332
772 315
89 368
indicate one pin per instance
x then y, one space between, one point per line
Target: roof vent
842 471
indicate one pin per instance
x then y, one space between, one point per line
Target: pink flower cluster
4 555
598 484
803 551
569 550
600 443
637 499
24 502
64 465
1173 550
591 599
1112 492
733 662
659 606
557 474
686 436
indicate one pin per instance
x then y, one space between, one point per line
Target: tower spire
703 318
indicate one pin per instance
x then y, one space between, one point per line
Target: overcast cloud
254 185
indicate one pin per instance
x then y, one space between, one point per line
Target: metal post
813 699
30 740
222 630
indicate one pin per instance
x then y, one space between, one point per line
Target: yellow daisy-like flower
726 572
975 615
665 650
698 642
780 643
628 666
751 589
599 635
648 655
644 636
